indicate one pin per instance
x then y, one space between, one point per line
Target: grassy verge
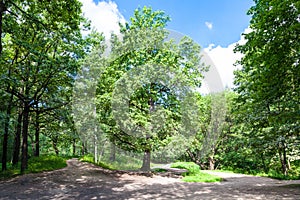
194 174
90 159
35 165
121 163
293 173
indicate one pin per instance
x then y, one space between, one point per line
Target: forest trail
86 181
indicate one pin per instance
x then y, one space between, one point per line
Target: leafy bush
192 167
194 174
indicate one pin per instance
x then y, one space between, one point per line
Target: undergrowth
35 165
194 173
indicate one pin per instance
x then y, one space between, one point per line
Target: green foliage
36 165
268 82
9 173
145 71
122 162
192 168
87 158
90 159
194 174
45 163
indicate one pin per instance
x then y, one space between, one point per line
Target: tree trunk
5 136
112 156
17 140
24 156
146 161
37 134
83 149
74 147
95 148
54 144
283 158
2 10
147 151
264 163
211 162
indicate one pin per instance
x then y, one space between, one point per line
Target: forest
63 95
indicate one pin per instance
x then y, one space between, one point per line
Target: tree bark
147 151
37 134
74 147
5 136
146 161
83 149
2 10
284 163
112 156
54 144
95 148
17 140
211 162
283 158
24 156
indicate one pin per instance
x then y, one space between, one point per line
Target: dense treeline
44 57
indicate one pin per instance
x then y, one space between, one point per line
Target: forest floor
86 181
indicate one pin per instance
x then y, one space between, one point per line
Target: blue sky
228 17
216 25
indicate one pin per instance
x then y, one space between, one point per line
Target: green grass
277 175
193 169
122 162
194 173
35 165
90 159
45 163
202 177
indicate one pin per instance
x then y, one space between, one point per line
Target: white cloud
224 59
105 16
209 25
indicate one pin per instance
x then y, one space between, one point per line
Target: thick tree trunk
146 161
24 156
17 140
37 134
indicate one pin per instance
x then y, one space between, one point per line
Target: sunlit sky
216 25
218 22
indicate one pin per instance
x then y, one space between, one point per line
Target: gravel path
86 181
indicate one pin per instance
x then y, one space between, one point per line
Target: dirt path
86 181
